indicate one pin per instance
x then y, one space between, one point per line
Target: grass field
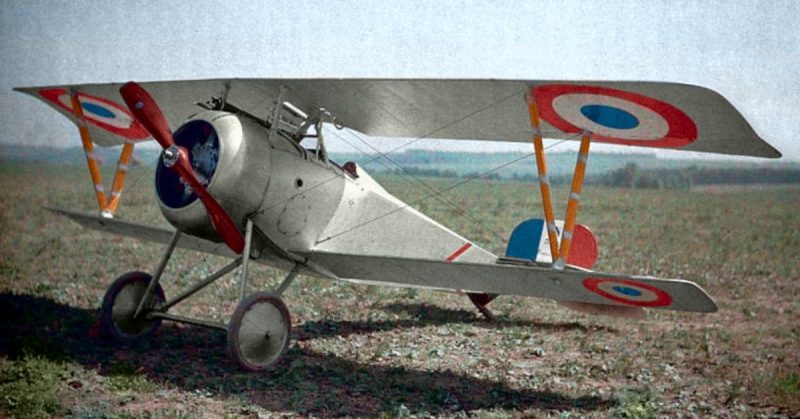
369 351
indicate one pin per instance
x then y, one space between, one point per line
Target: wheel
120 303
259 332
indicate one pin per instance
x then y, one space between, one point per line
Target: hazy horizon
747 51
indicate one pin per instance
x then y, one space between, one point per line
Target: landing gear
118 312
259 331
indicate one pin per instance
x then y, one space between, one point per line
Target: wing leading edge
647 114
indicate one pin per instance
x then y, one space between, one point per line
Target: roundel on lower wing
100 112
628 292
614 116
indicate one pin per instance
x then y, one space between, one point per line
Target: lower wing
578 286
143 232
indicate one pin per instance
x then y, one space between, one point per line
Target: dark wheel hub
119 307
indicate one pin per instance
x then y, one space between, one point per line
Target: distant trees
634 177
426 172
631 176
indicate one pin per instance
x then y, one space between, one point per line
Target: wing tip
709 305
712 306
776 154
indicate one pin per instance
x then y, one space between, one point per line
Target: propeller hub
146 111
199 142
171 156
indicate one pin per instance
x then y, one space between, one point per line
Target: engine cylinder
230 156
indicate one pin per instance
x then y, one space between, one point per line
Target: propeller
147 112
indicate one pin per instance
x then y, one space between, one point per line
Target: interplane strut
107 206
559 254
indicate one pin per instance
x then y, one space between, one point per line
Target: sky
749 51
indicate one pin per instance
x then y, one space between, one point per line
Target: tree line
634 177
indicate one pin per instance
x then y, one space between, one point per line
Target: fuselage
298 200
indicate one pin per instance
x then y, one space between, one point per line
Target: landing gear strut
258 334
117 314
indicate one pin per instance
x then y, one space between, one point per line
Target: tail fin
529 241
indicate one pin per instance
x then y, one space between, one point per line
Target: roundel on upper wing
628 292
100 112
614 116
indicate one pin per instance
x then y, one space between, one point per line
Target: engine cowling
230 156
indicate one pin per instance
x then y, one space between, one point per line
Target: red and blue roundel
100 112
628 292
614 116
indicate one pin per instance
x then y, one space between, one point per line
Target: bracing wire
378 157
408 177
450 124
147 169
441 191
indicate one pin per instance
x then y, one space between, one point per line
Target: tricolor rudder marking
99 111
614 116
628 292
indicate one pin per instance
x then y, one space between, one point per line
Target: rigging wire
441 191
378 157
408 177
475 112
150 169
147 169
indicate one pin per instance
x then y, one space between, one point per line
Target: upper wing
561 285
644 114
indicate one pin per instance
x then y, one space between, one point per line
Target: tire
120 303
259 332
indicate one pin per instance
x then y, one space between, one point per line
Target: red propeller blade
147 112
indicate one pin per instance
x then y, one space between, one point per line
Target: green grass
637 404
787 385
126 377
369 351
28 386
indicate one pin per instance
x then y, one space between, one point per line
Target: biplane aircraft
238 178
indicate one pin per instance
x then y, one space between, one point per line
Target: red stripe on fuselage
459 252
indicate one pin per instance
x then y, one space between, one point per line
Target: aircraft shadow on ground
429 315
307 382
